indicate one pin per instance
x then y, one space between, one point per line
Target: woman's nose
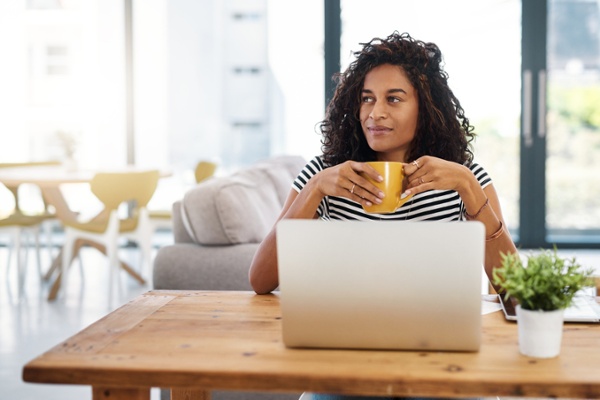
378 111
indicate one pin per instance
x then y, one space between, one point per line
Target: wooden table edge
153 300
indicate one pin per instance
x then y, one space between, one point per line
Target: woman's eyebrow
389 91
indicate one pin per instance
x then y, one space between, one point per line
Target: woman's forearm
263 273
483 205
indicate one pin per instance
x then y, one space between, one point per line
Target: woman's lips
379 130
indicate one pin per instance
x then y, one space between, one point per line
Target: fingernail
380 178
369 204
378 201
404 195
381 195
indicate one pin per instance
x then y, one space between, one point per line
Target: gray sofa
217 228
219 224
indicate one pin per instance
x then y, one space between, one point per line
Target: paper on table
488 307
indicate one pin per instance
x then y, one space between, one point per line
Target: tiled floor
30 325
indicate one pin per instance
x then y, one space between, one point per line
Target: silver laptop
381 285
584 308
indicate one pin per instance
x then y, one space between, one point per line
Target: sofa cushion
240 208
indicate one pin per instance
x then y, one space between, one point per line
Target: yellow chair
18 223
161 219
116 191
204 170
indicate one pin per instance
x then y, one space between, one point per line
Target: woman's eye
367 99
393 99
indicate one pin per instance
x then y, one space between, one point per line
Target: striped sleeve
482 176
313 167
484 180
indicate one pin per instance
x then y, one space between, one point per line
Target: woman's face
388 112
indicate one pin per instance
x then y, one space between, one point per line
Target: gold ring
352 190
415 163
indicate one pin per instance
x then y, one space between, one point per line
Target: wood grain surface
194 342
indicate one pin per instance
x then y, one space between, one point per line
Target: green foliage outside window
577 105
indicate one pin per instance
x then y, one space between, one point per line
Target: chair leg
21 263
67 254
81 270
9 255
132 272
114 278
101 248
144 242
37 252
57 264
146 256
47 228
54 266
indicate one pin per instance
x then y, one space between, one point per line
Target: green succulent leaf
547 283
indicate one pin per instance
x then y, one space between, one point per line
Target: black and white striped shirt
438 205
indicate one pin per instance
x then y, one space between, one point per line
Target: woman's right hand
344 180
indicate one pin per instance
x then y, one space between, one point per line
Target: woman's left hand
427 173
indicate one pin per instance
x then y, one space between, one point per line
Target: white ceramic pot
540 332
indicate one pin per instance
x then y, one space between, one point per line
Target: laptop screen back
381 284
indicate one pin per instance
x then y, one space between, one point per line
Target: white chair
135 189
17 226
22 229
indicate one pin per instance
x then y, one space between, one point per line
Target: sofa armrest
184 266
180 234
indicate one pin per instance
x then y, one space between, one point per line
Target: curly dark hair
442 129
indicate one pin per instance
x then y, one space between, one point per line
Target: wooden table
194 342
50 178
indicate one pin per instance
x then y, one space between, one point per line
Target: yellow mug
391 186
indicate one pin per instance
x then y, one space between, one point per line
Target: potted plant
542 289
69 143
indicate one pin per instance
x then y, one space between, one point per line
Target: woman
393 103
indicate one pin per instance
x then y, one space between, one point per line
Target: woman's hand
427 173
344 180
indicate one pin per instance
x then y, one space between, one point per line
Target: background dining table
50 179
